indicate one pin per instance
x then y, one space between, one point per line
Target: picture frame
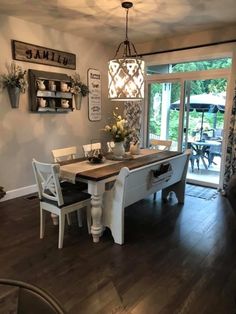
42 55
95 95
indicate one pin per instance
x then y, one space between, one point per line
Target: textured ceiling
104 20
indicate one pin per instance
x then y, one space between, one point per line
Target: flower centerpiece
79 89
15 81
119 131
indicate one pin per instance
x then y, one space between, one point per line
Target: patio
210 175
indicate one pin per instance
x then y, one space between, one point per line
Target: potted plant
15 81
78 89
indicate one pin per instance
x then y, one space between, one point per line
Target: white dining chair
87 148
110 146
66 153
159 145
56 200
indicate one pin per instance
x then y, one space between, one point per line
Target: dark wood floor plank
176 258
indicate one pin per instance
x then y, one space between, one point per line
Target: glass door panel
163 120
203 129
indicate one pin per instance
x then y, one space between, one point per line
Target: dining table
100 177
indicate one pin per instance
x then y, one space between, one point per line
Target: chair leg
61 230
42 222
154 196
79 217
210 160
54 219
88 212
192 163
68 219
197 163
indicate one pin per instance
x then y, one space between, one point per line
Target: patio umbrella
203 103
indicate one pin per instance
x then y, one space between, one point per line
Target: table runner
68 171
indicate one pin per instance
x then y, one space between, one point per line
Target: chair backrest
216 150
205 136
218 133
30 299
110 146
47 180
160 144
88 147
64 153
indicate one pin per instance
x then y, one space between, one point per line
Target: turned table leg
96 214
96 189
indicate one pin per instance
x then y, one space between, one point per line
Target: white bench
133 185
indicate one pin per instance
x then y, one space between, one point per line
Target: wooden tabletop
105 172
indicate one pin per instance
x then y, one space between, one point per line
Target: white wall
24 135
192 39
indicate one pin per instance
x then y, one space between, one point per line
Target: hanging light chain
128 46
126 72
126 27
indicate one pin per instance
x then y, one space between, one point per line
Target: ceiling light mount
126 73
127 4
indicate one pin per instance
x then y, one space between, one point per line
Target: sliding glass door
186 112
203 126
163 122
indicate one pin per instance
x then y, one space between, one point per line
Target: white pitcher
41 85
65 103
64 87
134 148
42 102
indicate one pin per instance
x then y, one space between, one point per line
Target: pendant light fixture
126 73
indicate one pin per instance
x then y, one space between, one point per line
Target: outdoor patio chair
218 133
205 136
56 200
193 157
214 151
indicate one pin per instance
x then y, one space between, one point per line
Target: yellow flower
107 128
119 130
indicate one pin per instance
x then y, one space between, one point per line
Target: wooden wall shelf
53 99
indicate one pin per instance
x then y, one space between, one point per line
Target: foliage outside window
208 86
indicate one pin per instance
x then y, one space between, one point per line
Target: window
223 63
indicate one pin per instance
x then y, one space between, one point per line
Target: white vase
78 100
118 149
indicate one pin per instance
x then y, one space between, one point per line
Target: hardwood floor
176 258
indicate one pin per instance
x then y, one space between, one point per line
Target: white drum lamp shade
126 79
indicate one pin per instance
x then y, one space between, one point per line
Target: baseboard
19 192
201 183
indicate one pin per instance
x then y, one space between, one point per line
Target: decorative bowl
96 159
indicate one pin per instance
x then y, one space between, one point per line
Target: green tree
214 86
